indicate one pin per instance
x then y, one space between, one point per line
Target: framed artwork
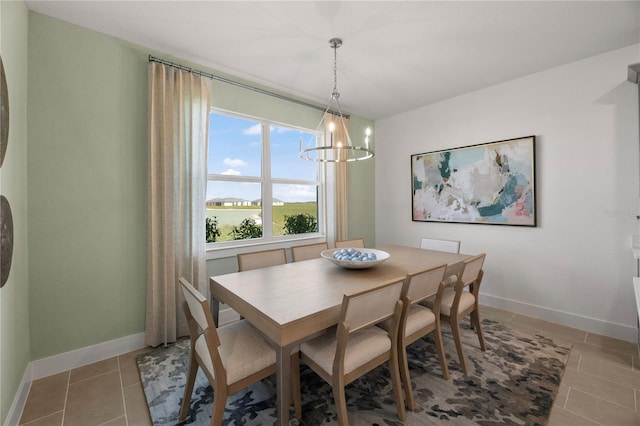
491 183
6 238
4 113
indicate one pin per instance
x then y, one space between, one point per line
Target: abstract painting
491 183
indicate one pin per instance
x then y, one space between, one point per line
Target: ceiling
396 56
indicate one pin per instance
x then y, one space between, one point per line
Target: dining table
296 301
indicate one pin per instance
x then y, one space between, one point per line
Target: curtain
179 104
340 129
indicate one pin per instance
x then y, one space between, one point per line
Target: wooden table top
292 302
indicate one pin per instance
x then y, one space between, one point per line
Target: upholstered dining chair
417 321
356 345
461 299
261 259
308 251
232 357
452 246
352 243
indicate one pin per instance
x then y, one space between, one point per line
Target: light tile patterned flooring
601 384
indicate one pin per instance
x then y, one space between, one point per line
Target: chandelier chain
335 93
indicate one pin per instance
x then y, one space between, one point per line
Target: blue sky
235 148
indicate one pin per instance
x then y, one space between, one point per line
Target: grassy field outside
229 216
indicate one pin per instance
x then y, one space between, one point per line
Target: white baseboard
20 399
77 358
591 325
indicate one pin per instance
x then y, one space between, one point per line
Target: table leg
215 310
283 383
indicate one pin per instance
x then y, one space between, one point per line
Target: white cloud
231 172
295 193
253 130
235 162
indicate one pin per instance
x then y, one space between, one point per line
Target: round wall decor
4 113
6 239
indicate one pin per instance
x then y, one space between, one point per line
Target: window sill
225 252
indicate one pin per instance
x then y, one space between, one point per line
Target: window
257 187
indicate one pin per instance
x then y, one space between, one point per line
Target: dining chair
460 299
417 321
232 357
356 345
308 251
451 246
352 243
261 259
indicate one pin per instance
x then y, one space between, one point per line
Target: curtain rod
242 85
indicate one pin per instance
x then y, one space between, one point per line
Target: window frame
230 248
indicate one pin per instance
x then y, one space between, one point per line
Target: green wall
87 167
361 189
14 296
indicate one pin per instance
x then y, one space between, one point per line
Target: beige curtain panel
179 105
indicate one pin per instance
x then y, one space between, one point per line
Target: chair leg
455 331
219 404
188 389
295 384
394 370
405 377
341 401
475 320
440 349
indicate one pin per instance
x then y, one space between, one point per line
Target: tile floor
108 392
601 385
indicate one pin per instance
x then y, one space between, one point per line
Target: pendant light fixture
335 146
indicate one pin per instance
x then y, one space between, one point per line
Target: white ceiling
396 56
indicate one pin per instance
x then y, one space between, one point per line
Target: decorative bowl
381 256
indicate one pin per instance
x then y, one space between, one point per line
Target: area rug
514 382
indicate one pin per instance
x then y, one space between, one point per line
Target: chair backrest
261 259
472 269
197 311
308 251
198 305
423 284
371 306
353 243
451 246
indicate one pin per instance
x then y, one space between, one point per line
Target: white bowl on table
381 256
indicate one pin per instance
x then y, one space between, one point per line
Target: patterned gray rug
514 383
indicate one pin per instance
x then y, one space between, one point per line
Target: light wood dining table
297 301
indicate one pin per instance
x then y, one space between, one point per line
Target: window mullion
267 187
295 181
227 178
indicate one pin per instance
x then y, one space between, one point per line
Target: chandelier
335 145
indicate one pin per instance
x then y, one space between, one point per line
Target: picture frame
490 183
